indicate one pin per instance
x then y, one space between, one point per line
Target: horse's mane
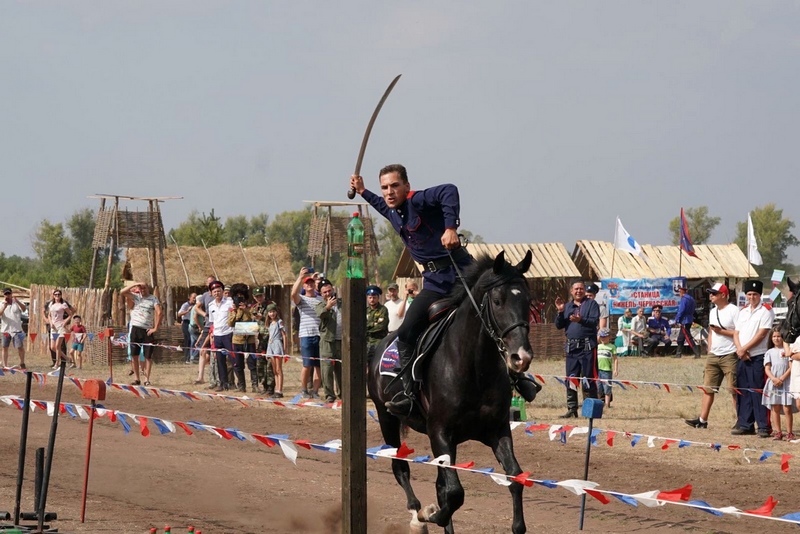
475 279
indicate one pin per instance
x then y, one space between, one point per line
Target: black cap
7 291
592 288
322 283
374 290
658 307
215 284
753 285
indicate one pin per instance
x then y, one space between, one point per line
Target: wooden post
112 247
354 421
96 250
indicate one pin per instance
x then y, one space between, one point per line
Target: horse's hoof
426 513
415 527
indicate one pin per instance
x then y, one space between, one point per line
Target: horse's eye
496 301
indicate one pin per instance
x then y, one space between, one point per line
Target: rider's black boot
403 401
526 386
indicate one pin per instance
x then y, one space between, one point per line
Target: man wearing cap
751 338
309 331
11 310
579 318
395 306
659 330
722 359
185 316
591 293
427 222
330 344
377 319
684 319
218 311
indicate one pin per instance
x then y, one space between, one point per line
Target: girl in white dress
776 390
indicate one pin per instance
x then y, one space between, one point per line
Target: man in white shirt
145 320
11 314
751 338
396 307
218 310
722 359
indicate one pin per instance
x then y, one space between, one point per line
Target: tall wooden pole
354 421
96 250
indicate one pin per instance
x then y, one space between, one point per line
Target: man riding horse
427 222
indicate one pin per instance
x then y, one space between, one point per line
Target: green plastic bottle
355 248
522 415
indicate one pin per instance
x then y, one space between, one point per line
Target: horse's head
505 307
790 327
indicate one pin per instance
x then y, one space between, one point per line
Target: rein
484 311
792 324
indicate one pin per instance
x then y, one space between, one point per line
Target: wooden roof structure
594 259
190 266
550 260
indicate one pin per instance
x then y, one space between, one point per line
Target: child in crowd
275 347
607 364
78 340
776 395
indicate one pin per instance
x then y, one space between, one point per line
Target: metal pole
88 459
23 443
586 470
51 444
37 481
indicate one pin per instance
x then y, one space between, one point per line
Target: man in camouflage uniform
264 372
377 319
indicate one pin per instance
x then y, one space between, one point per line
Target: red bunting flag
101 335
764 509
610 437
33 337
303 443
597 495
667 443
734 447
540 378
143 426
522 478
112 416
265 440
466 465
680 494
666 386
403 451
785 462
540 426
66 337
185 427
224 433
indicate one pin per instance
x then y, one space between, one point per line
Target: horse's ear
499 262
525 264
793 286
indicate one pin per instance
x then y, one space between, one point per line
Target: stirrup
395 405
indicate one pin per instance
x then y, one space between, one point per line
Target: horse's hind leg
390 428
504 452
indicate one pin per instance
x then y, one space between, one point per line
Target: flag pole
613 257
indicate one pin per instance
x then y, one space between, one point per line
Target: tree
773 237
53 250
391 247
700 224
251 232
292 228
198 229
470 237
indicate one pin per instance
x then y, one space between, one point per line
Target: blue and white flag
625 242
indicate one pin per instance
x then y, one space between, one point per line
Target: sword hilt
351 193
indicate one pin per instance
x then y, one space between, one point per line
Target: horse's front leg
503 449
449 492
390 428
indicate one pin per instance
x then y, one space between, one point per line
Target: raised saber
352 192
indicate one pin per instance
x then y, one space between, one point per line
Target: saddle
441 316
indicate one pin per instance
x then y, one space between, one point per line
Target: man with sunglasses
722 359
145 318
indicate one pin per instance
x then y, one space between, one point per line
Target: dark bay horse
790 328
466 391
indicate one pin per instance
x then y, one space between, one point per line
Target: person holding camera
308 331
243 343
329 311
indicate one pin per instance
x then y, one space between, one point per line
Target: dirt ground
229 486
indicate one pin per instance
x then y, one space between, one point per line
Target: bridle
792 321
484 311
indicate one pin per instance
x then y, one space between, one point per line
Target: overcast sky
552 118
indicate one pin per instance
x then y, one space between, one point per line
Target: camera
238 300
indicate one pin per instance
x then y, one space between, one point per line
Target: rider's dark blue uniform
420 221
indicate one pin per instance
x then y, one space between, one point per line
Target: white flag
753 255
625 242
